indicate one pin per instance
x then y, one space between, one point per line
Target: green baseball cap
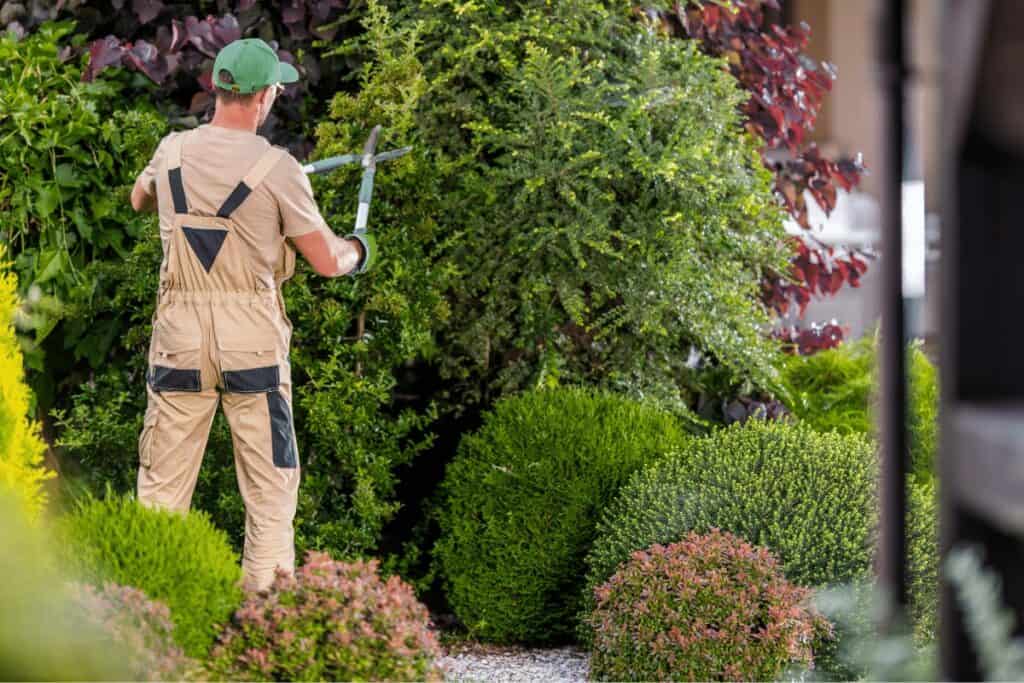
253 65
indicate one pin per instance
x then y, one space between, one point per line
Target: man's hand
142 200
329 254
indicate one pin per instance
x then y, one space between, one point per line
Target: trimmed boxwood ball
707 608
807 496
181 560
521 501
333 621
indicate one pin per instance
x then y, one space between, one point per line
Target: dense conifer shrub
923 559
706 608
521 501
332 621
181 560
836 389
21 448
806 496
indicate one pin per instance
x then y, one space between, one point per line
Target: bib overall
221 335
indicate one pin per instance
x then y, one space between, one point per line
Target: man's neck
234 119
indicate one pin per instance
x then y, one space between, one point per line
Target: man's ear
265 95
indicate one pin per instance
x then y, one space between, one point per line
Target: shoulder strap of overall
252 179
174 173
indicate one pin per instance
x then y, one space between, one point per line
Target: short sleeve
294 193
148 176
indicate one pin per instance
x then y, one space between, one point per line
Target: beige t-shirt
213 160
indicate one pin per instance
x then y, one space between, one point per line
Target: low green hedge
521 502
181 560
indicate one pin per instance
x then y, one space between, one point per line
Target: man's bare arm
329 254
141 199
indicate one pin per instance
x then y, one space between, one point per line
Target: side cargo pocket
147 437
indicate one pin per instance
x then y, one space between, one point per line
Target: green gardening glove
369 243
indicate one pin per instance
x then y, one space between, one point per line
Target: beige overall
220 334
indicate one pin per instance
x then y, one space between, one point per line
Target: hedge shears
368 160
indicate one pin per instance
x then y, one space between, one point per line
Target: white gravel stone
475 662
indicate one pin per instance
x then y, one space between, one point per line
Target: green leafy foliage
836 390
181 560
593 202
706 608
352 439
70 153
856 652
860 653
521 502
331 621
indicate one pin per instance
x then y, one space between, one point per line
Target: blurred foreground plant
44 634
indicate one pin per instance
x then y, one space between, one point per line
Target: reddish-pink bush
136 625
331 621
708 608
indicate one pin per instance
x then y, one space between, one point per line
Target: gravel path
476 662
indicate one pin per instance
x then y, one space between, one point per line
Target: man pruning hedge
231 208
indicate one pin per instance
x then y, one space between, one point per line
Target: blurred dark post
892 552
982 449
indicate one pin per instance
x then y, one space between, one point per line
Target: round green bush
810 497
521 503
181 560
332 621
707 608
142 627
806 496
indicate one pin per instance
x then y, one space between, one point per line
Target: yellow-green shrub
21 448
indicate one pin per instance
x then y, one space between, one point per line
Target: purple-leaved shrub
708 608
330 621
137 625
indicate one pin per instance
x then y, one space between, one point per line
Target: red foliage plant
330 621
176 49
137 626
787 89
708 608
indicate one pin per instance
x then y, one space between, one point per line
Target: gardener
229 203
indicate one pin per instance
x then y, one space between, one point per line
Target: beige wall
843 32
